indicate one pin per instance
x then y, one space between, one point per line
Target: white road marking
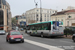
65 41
42 45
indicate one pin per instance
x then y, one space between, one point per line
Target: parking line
42 45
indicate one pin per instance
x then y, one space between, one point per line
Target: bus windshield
55 25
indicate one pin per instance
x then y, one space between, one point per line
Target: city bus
50 28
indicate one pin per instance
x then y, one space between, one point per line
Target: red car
14 36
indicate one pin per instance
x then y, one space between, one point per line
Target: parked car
2 32
73 37
21 29
13 28
25 31
14 36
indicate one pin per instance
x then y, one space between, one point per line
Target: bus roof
45 22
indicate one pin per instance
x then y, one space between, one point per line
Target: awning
3 27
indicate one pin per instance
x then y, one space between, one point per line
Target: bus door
34 30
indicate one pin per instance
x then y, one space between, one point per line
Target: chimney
62 9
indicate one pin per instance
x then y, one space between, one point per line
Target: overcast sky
19 7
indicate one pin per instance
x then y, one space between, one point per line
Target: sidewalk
68 36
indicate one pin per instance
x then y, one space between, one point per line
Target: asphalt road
17 46
60 42
37 43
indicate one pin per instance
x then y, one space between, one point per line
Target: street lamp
35 3
40 9
36 7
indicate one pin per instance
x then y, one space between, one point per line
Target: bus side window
42 27
49 26
46 27
33 28
30 28
36 27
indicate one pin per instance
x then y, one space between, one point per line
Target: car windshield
15 33
2 31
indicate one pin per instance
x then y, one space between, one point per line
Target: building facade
5 16
67 17
33 15
70 8
21 20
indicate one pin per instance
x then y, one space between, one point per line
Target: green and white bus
50 28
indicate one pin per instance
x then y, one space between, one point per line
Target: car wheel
74 39
31 34
9 41
6 40
22 41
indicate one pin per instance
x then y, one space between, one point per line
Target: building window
37 10
50 12
69 16
53 11
48 15
45 19
47 11
0 5
0 1
45 15
1 19
37 19
37 15
4 2
7 16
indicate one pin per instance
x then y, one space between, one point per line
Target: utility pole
36 4
40 11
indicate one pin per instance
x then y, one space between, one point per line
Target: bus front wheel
74 39
30 34
42 35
